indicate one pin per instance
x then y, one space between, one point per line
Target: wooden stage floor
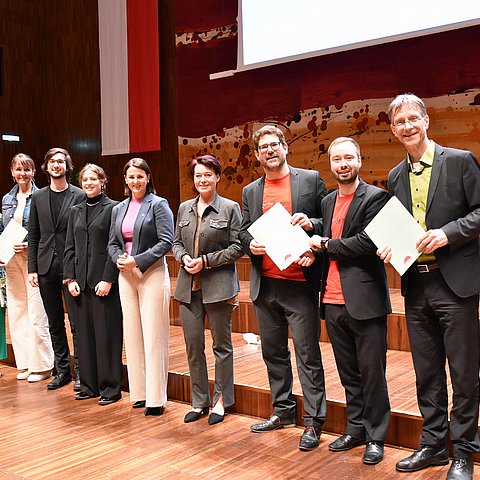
49 435
253 394
250 370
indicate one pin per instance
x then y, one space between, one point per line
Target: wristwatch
323 242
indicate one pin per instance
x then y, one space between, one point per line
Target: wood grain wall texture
52 92
315 100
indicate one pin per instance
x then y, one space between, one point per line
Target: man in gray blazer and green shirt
441 188
286 299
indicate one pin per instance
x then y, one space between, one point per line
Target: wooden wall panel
21 102
52 91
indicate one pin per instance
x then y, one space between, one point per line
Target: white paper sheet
395 227
283 241
13 234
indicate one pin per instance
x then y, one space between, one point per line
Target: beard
346 180
280 161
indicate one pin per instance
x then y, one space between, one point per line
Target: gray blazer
308 191
218 242
453 204
152 232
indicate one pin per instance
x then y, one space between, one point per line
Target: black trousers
284 304
51 290
443 326
360 349
98 322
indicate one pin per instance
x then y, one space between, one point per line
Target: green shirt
419 175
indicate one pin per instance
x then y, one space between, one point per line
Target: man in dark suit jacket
441 188
289 298
47 229
355 301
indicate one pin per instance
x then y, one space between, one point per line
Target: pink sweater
129 222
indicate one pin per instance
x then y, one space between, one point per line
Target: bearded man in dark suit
355 301
286 299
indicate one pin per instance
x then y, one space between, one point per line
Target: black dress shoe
345 442
193 416
373 453
310 438
461 469
77 386
139 404
153 411
423 457
108 400
59 381
82 396
215 418
273 423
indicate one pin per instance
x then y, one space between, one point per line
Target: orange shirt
279 190
333 289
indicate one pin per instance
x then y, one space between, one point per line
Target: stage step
244 320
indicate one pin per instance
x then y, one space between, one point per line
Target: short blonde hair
339 140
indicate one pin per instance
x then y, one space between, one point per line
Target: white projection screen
277 31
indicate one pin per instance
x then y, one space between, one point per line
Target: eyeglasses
59 162
264 148
413 121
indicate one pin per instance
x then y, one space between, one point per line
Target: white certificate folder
13 234
394 226
283 241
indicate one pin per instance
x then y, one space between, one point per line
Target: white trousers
145 300
27 319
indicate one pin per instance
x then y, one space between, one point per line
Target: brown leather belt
426 267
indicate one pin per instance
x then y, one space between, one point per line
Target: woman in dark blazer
141 234
92 278
207 245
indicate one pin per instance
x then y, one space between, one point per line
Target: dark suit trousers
282 304
360 349
220 321
51 289
443 326
98 321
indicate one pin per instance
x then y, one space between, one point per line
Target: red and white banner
129 76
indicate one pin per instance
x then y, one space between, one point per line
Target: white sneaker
38 377
23 375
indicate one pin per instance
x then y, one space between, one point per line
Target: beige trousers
145 300
27 319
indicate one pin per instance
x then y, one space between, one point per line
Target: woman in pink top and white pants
141 233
